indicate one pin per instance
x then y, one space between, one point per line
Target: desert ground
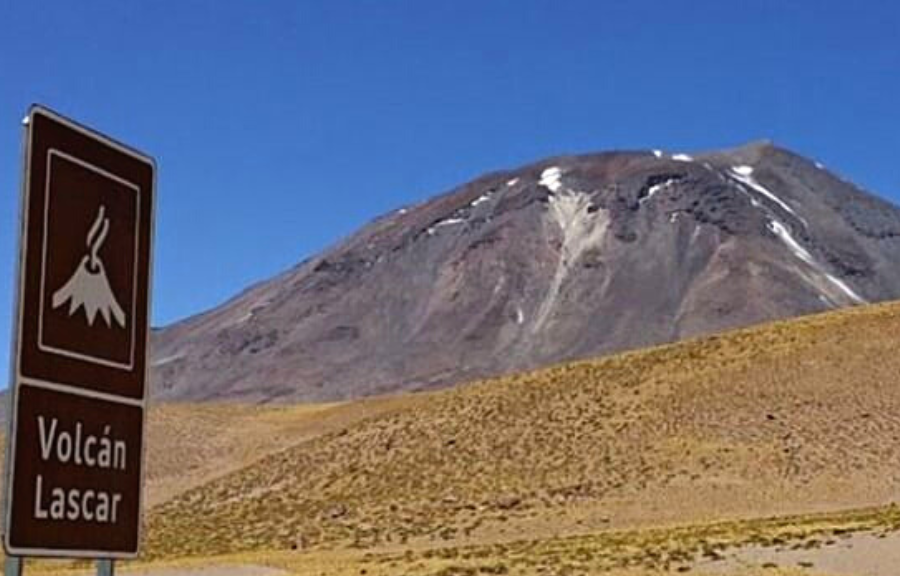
770 450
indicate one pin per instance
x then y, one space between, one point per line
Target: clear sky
280 127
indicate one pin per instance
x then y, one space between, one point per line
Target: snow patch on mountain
480 200
682 158
846 289
168 359
656 188
799 251
255 309
448 222
551 178
581 229
744 175
845 292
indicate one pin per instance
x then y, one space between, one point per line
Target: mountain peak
563 258
759 144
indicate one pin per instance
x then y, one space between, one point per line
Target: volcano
569 257
89 288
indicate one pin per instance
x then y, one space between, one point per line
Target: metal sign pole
12 566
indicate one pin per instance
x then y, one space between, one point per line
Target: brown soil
799 416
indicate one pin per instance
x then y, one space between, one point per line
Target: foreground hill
797 416
190 444
566 258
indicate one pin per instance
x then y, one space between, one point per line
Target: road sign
79 368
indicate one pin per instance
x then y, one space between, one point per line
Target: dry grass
191 444
645 552
787 418
634 465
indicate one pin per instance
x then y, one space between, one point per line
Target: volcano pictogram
89 288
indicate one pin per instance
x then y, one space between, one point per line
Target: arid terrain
789 418
726 454
316 442
723 454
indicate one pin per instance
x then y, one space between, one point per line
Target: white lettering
74 508
86 510
80 448
119 457
116 498
105 456
78 443
58 504
64 447
88 457
46 440
102 510
40 513
73 504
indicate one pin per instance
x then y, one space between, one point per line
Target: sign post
74 465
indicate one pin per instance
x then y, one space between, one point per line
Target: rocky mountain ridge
565 258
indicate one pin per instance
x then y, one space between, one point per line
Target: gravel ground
225 570
863 554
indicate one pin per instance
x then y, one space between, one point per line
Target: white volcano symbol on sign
89 287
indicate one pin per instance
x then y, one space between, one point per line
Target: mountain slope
566 258
793 417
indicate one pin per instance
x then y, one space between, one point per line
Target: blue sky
280 127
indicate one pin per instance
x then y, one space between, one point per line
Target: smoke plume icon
89 288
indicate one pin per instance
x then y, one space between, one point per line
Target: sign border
51 152
16 378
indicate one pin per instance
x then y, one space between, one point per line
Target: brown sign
74 460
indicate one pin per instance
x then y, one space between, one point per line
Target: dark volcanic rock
566 258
